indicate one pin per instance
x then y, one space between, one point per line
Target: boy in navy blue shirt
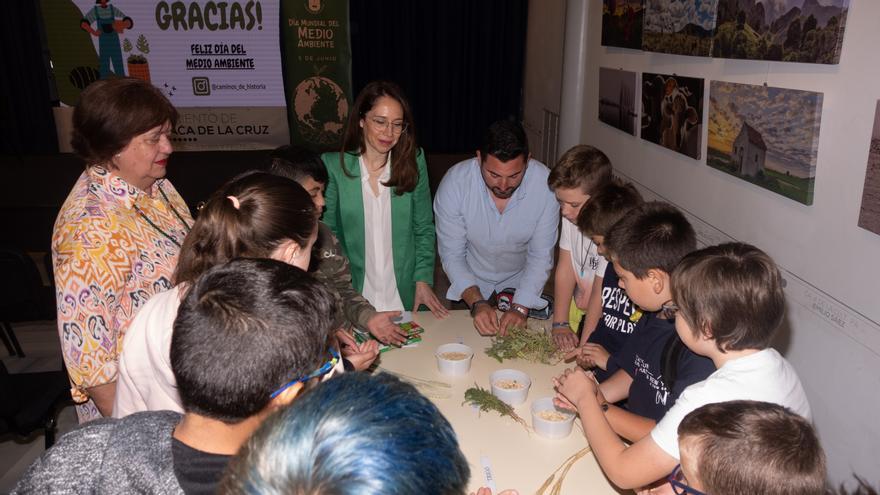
611 316
655 366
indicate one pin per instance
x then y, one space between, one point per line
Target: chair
23 297
32 401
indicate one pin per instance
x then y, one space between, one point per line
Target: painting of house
617 99
869 215
806 31
766 136
622 22
682 27
749 151
672 112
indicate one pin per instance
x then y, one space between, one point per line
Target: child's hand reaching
574 386
589 355
564 338
595 355
361 356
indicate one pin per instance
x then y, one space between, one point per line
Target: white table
518 459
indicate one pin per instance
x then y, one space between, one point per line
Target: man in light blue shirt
496 228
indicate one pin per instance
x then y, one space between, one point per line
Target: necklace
173 210
584 255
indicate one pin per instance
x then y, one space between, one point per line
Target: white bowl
548 428
512 396
454 367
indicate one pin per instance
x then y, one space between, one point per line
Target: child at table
250 335
655 367
606 330
748 447
728 304
581 173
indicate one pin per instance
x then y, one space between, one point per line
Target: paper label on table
487 473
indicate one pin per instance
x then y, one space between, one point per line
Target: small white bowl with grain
454 359
550 421
511 386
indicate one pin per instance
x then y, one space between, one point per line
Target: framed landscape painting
622 22
681 27
672 112
766 136
869 216
617 99
809 31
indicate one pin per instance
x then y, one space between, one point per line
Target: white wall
542 79
832 266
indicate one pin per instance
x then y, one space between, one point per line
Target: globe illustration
321 108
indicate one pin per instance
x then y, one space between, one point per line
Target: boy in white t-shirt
728 302
580 174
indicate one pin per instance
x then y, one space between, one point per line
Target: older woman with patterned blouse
117 237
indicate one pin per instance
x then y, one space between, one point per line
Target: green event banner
317 68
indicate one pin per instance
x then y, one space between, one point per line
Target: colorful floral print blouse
113 247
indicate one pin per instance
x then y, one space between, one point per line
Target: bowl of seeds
511 386
454 359
550 421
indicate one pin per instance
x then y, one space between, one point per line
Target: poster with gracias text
219 63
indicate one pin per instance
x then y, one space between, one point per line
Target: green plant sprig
484 399
536 347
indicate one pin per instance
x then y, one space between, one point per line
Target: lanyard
158 229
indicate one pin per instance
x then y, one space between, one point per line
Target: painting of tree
807 31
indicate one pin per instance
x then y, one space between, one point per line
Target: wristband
561 324
475 304
522 310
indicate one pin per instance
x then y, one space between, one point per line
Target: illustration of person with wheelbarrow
109 22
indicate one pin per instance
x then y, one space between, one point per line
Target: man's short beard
498 193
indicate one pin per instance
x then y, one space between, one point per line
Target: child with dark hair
746 447
248 337
611 317
655 367
728 304
581 174
330 265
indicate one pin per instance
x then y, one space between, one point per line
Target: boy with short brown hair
745 447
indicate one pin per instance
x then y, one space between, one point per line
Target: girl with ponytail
255 215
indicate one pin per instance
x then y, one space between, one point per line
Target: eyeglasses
669 310
323 370
381 124
679 483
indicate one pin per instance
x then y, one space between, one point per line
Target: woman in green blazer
379 178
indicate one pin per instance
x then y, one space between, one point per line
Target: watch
522 310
